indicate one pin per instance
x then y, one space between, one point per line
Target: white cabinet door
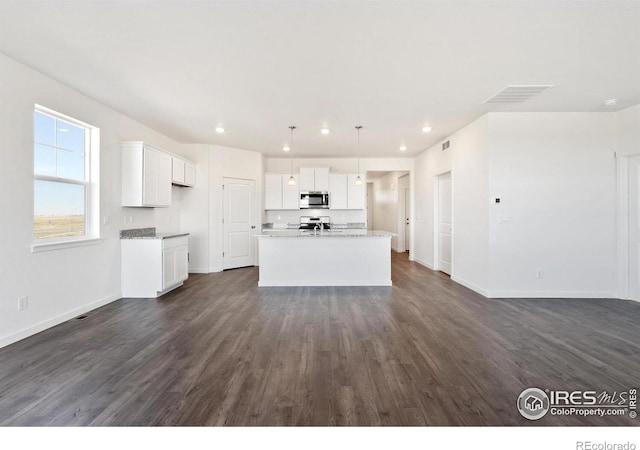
314 179
168 268
307 179
273 190
151 165
321 179
175 257
156 179
177 172
356 194
164 180
146 175
190 174
290 194
338 191
182 263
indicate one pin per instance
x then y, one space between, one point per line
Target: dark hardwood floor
221 351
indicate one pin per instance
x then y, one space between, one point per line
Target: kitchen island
332 258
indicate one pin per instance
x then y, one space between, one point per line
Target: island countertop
325 234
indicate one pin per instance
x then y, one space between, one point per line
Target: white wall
555 175
225 162
194 207
628 131
60 283
339 165
470 191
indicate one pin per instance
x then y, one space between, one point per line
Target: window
65 186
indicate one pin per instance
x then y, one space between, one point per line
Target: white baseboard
470 285
423 263
198 270
550 294
37 328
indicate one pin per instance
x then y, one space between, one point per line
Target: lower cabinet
153 267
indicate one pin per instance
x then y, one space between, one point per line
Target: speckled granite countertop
147 233
327 234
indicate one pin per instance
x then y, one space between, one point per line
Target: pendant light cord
358 128
291 147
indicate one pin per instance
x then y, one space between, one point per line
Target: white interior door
444 223
634 227
239 222
407 214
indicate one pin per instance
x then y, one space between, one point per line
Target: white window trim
92 189
59 245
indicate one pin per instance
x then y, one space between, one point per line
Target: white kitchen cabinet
152 267
356 194
314 179
177 171
278 194
272 191
189 174
344 193
183 172
146 175
338 191
290 194
175 255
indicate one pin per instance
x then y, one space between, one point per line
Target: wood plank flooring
221 351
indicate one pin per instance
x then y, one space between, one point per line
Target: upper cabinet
356 194
314 179
338 191
183 172
146 175
345 193
278 194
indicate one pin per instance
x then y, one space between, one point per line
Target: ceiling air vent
518 93
446 145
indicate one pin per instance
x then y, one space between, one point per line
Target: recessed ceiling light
325 131
611 102
426 129
219 130
285 148
403 148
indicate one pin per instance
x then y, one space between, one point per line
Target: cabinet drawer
174 242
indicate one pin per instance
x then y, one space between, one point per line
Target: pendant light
358 179
292 181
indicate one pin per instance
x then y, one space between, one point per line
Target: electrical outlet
538 274
105 220
23 303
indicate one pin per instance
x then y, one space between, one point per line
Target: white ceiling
391 66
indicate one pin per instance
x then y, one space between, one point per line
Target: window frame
90 183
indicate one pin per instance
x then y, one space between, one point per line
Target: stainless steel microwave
314 200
